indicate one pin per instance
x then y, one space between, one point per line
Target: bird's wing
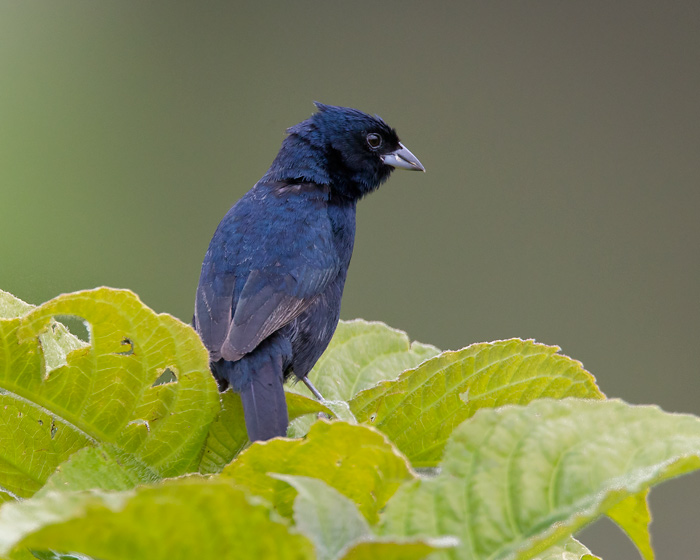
212 307
271 299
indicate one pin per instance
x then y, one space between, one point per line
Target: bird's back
279 243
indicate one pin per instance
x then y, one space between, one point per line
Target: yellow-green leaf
330 520
185 518
632 515
396 549
103 467
517 480
420 409
361 354
357 461
60 394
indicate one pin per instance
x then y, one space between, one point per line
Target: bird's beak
403 158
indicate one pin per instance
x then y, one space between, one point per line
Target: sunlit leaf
330 520
361 354
517 480
227 435
570 549
632 515
396 549
357 461
420 409
52 555
339 410
59 394
103 467
190 517
33 443
12 307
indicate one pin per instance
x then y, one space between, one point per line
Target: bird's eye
374 140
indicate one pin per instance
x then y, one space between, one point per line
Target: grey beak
403 158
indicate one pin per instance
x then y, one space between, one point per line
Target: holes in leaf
129 347
166 376
60 339
54 429
77 326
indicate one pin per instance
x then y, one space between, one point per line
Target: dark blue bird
268 299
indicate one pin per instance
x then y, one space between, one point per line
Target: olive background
561 142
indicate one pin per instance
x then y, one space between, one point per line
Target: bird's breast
342 220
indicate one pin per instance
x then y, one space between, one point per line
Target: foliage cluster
120 447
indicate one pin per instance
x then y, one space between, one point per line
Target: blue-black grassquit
268 299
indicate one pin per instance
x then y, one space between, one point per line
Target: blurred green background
561 141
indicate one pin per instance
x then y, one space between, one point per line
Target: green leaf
570 549
12 307
104 468
338 530
420 409
330 520
56 341
517 480
357 461
361 354
396 549
191 517
52 555
227 435
33 443
340 410
299 405
104 392
632 515
24 554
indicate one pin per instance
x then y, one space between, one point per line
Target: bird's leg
313 389
316 394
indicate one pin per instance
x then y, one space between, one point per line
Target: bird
269 293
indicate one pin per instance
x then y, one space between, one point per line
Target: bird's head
350 150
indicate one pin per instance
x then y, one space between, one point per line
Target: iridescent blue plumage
269 294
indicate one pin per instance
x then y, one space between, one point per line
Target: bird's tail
262 392
264 405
